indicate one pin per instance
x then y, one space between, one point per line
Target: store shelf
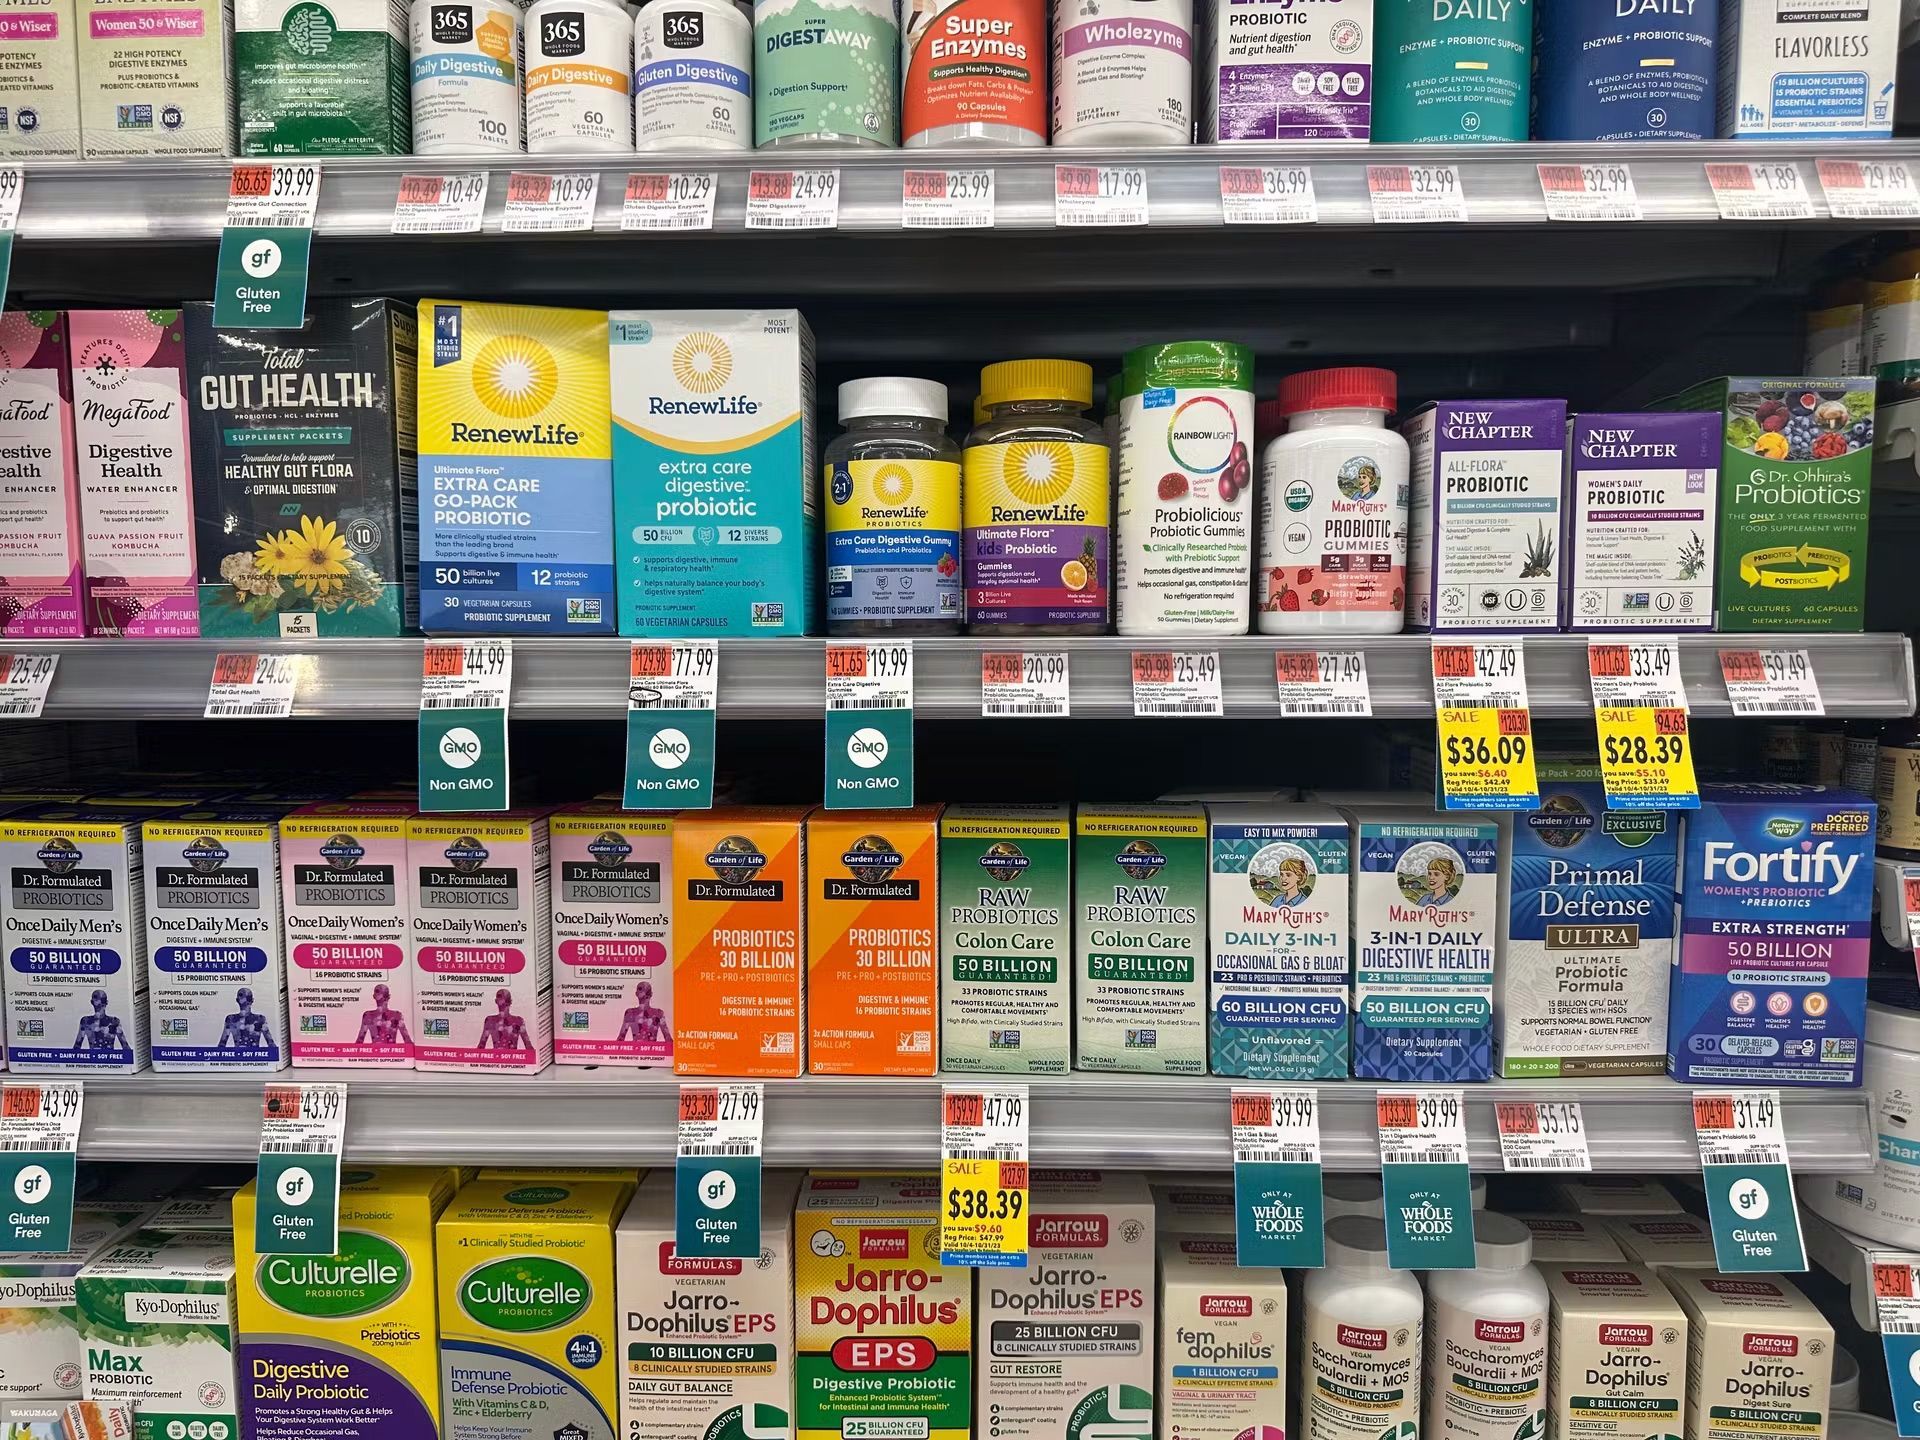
1869 675
1848 1258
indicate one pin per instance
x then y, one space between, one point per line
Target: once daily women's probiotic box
40 580
612 937
1775 922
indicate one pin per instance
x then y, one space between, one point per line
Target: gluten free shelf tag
1538 1135
297 1211
671 700
983 1176
1427 1186
265 247
24 682
465 687
1486 728
1640 709
870 726
1896 1306
39 1138
716 1171
1279 1204
1771 682
1743 1167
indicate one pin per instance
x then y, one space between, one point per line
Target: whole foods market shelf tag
1896 1306
716 1172
1427 1187
24 682
1486 728
1538 1135
464 691
1640 709
870 726
39 1137
1743 1167
983 1176
1279 1203
265 245
1771 682
301 1130
671 690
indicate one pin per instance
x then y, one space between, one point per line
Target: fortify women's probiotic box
39 495
612 937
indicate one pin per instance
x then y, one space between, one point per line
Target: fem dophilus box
304 473
41 119
612 937
1642 513
39 492
155 77
1223 1342
713 459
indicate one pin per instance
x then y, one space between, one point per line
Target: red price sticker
1299 667
1152 667
422 189
1453 662
280 1102
1608 660
526 189
1518 1119
1000 667
1397 1112
650 662
20 1102
964 1108
1713 1112
1516 722
1252 1107
847 662
699 1105
251 182
233 669
1893 1281
444 660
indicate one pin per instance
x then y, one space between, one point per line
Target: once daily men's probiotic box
343 868
41 119
1223 1343
40 580
1279 907
612 937
154 77
1808 69
516 471
1278 72
716 514
1775 919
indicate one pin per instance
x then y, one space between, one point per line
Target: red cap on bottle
1269 420
1345 387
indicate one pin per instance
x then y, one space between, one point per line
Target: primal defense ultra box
1759 1357
612 937
1616 1354
1223 1342
154 78
39 492
1808 69
1781 877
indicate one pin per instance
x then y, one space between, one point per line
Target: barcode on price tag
1771 682
870 677
440 204
1024 683
793 199
1276 1127
1869 189
1416 194
1896 1298
1177 682
681 675
252 687
1100 195
721 1120
946 199
13 184
1422 1127
1542 1135
1268 195
280 197
40 1117
1322 682
1770 190
24 682
669 200
1589 192
466 675
549 204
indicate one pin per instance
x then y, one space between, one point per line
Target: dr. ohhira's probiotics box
612 937
1223 1343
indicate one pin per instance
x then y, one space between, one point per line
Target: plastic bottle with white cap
1486 1375
1360 1339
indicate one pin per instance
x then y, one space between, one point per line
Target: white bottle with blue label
693 76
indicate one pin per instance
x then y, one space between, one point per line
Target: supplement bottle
1122 72
1451 73
1486 1376
1360 1339
1611 72
893 512
1896 789
579 78
1893 326
1333 509
826 76
466 77
1837 332
1035 504
973 73
1183 518
693 75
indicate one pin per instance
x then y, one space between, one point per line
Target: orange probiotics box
739 927
873 938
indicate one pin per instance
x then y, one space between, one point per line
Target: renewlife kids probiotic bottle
1447 73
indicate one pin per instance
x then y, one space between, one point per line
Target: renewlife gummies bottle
1333 509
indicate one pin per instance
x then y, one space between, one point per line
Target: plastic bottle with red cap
1333 509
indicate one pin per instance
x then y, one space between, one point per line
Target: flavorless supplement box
41 59
1808 69
154 78
40 580
612 937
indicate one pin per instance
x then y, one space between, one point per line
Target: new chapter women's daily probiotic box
39 494
612 937
154 78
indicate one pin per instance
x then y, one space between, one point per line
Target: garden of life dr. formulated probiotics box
1616 1354
40 580
1223 1343
41 118
154 78
1006 939
1759 1357
612 937
1140 938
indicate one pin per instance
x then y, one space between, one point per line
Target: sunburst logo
515 376
702 362
1038 472
893 485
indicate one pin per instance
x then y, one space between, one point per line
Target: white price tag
1652 679
1322 682
793 200
1276 1127
721 1121
878 676
1602 191
1416 195
13 184
1771 682
252 687
466 675
280 197
946 199
43 1116
1025 683
440 204
541 204
984 1122
24 682
669 200
1099 195
1542 1135
1177 682
1869 189
1422 1127
303 1120
1770 190
1497 679
1739 1127
1267 195
681 675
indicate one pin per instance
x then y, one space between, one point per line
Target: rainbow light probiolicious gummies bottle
1451 73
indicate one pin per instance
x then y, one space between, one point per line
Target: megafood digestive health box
40 580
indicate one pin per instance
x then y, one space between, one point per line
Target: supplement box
1796 471
1632 70
1006 939
1808 70
304 476
1641 521
41 59
1776 896
527 1310
322 81
1616 1354
1223 1343
482 956
39 492
516 471
1484 521
713 461
1140 898
1279 910
873 926
135 478
1560 1239
883 1333
612 937
705 1343
73 925
216 977
1759 1357
1066 1344
154 78
1662 1242
1606 1195
739 936
39 1326
1276 73
343 869
1581 989
351 1337
1193 1208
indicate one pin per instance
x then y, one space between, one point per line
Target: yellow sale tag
1486 758
1646 760
984 1221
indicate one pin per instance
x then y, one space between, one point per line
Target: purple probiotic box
39 506
1484 533
1278 70
1640 506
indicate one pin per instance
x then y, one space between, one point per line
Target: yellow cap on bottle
980 411
1069 380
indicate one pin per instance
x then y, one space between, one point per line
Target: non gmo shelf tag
1896 1304
716 1171
671 690
1486 728
870 726
265 246
297 1208
1640 708
983 1176
1743 1166
39 1138
464 691
1279 1205
1427 1186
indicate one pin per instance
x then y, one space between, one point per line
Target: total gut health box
1808 69
1775 922
154 77
1223 1343
41 117
40 581
612 937
715 511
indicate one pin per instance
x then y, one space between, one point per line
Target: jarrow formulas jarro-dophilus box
1759 1357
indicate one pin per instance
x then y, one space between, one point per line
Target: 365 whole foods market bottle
1035 504
693 75
1122 72
826 73
973 73
1333 509
466 77
1183 523
1451 71
1486 1376
893 512
579 77
1360 1342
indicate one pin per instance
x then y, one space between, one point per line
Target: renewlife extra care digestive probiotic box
612 936
39 493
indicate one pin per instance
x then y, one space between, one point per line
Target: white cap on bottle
1356 1242
893 395
1500 1242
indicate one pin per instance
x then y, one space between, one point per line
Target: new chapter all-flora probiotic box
39 494
1759 1357
1808 69
715 511
343 869
41 117
1616 1354
1223 1343
155 77
1775 919
1281 71
612 937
